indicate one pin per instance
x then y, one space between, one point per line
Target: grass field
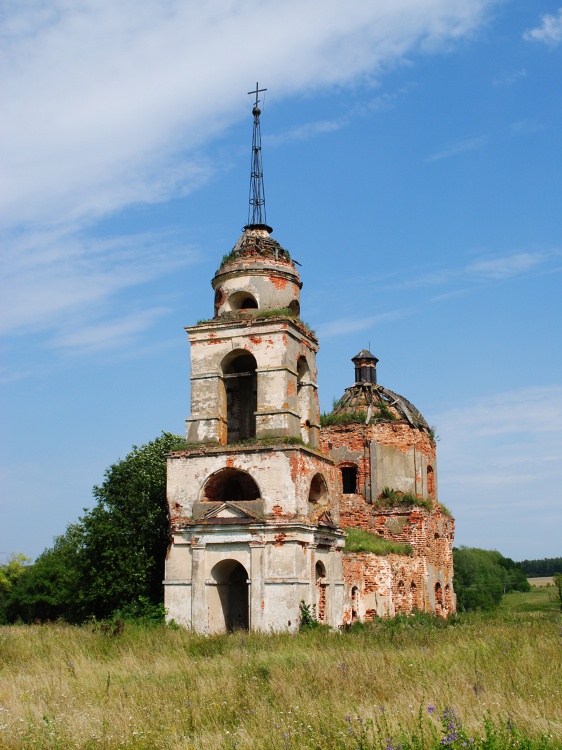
373 687
538 599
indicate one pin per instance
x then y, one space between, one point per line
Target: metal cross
256 92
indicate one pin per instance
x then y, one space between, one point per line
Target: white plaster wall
270 469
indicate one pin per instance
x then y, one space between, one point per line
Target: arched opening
229 610
349 478
242 301
230 485
354 604
320 572
318 493
448 602
413 596
295 307
401 605
304 396
241 390
438 598
430 481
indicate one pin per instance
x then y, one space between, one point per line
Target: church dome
258 274
379 403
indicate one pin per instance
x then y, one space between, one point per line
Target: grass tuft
390 498
359 540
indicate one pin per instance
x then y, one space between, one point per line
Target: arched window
438 598
230 485
241 390
430 481
304 397
320 572
242 301
414 596
318 493
295 307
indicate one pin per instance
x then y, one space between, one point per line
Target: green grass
354 417
390 498
358 540
373 687
538 599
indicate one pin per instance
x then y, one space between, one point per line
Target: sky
412 157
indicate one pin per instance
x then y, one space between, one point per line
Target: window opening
349 479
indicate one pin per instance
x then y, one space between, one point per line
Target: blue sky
412 157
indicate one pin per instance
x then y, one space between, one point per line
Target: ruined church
273 506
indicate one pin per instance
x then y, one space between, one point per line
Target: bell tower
253 505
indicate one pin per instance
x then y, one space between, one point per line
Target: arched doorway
241 391
229 610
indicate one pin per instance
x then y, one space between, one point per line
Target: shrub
389 498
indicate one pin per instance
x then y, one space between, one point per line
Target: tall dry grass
76 687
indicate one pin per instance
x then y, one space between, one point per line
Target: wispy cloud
306 131
548 32
114 334
456 281
459 147
343 326
54 280
500 469
508 79
485 270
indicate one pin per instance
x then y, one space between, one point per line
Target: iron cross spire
256 211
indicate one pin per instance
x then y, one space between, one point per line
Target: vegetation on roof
359 540
390 498
352 417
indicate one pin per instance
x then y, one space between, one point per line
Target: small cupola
365 367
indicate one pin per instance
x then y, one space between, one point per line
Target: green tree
10 574
558 584
114 556
482 577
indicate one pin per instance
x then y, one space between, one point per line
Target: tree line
548 566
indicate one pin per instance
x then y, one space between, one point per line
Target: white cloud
459 147
108 105
101 99
549 31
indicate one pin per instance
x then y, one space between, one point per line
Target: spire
256 211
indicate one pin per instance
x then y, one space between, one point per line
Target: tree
482 577
114 556
10 573
558 584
